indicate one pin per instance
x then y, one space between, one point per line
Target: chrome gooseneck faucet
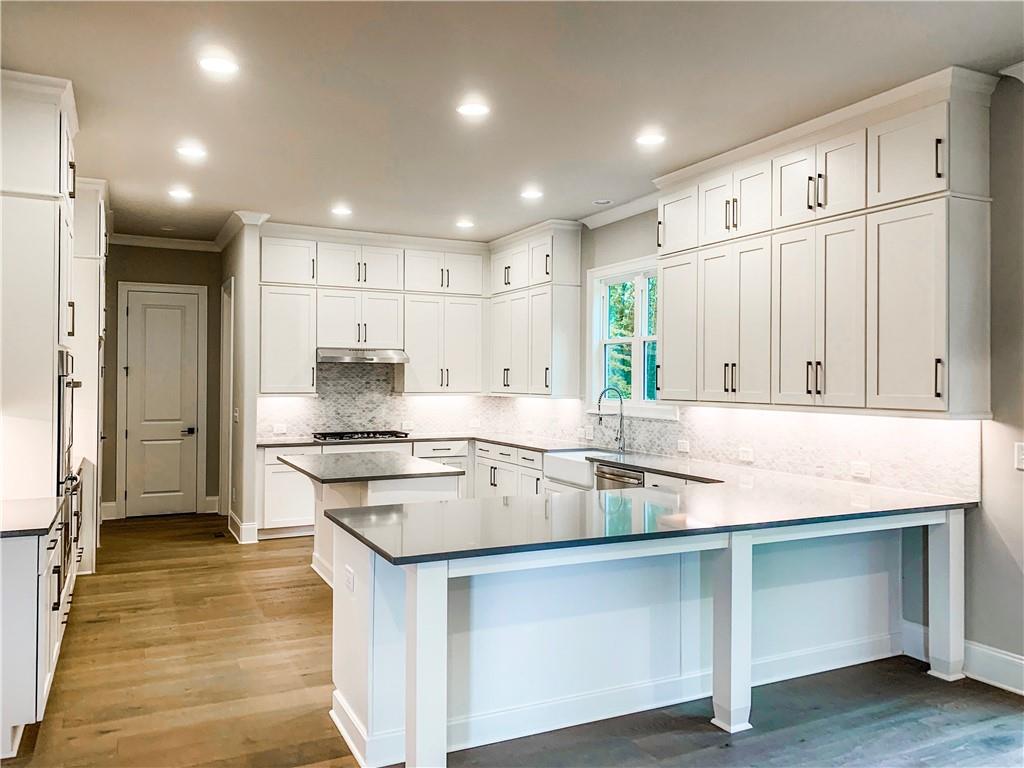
620 436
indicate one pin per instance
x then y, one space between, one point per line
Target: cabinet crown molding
550 225
359 237
56 88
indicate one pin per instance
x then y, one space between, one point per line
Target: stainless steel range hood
344 355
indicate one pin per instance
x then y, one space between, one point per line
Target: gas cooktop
368 434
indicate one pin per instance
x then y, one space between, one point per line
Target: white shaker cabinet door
382 268
519 343
338 265
463 344
715 207
66 319
794 328
540 341
288 339
501 265
519 267
287 497
424 270
463 273
752 199
906 322
506 479
793 182
424 328
677 221
540 261
287 261
839 372
501 343
338 316
677 328
908 156
718 322
839 181
752 376
383 320
530 481
483 480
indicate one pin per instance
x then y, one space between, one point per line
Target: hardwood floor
187 649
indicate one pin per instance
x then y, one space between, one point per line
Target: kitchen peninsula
367 479
474 621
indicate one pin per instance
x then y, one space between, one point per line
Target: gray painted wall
133 264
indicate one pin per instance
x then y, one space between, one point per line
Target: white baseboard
323 569
983 663
109 511
489 727
285 533
212 502
244 533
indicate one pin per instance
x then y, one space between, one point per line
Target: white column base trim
744 726
285 533
324 570
244 533
944 676
109 511
11 740
983 663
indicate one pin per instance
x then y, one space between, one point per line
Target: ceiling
356 101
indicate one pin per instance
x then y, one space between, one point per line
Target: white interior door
383 321
424 326
715 209
718 321
840 252
463 344
793 188
162 403
752 377
793 331
519 342
677 328
840 164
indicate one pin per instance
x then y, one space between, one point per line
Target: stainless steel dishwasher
609 477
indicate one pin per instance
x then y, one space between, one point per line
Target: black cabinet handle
366 335
74 179
819 376
725 377
442 376
735 212
547 264
547 372
358 333
807 377
447 377
312 376
440 449
938 362
657 377
365 278
56 603
448 275
938 173
71 306
441 270
727 214
819 191
657 237
810 183
508 275
733 376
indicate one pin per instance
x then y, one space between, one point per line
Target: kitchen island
474 621
366 479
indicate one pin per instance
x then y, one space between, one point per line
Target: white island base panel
371 493
545 640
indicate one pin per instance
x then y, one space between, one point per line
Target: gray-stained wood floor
189 650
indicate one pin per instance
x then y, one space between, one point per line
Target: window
628 351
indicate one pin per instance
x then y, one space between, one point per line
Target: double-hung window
628 346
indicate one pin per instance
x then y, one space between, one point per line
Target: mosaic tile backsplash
922 454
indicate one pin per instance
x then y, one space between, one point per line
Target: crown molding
620 212
564 225
234 224
357 237
58 88
167 243
1014 70
100 185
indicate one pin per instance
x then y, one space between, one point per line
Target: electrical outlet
746 455
683 446
280 429
408 426
1018 456
350 579
589 433
860 469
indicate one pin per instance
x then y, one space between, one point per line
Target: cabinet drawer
533 459
270 454
495 452
439 449
652 480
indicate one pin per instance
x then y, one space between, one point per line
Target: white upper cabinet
338 264
464 273
539 374
839 174
501 342
907 307
510 270
540 260
382 268
793 188
383 320
66 320
677 221
439 272
424 270
463 344
339 318
908 156
715 205
38 131
288 328
718 322
793 329
516 376
677 328
288 261
750 374
751 210
424 342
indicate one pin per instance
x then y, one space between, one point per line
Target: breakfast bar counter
473 621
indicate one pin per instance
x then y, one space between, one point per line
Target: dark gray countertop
451 530
28 517
530 442
365 466
687 469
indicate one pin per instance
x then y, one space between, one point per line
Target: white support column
732 578
946 597
426 665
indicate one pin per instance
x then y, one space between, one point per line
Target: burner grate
367 434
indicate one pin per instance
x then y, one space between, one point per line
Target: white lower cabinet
501 470
288 330
734 324
495 479
677 328
530 482
288 498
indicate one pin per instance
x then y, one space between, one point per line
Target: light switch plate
683 446
746 455
350 579
1018 456
860 469
588 432
234 415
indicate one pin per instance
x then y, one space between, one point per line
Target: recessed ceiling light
464 224
650 137
180 193
167 228
341 210
192 151
603 201
473 106
219 65
531 192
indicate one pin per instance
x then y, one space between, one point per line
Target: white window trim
595 281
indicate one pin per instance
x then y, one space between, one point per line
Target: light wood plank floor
190 650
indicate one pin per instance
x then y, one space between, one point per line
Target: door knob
189 431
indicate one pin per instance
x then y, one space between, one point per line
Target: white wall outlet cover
234 415
683 446
860 469
589 433
746 455
1018 456
280 429
350 579
408 426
